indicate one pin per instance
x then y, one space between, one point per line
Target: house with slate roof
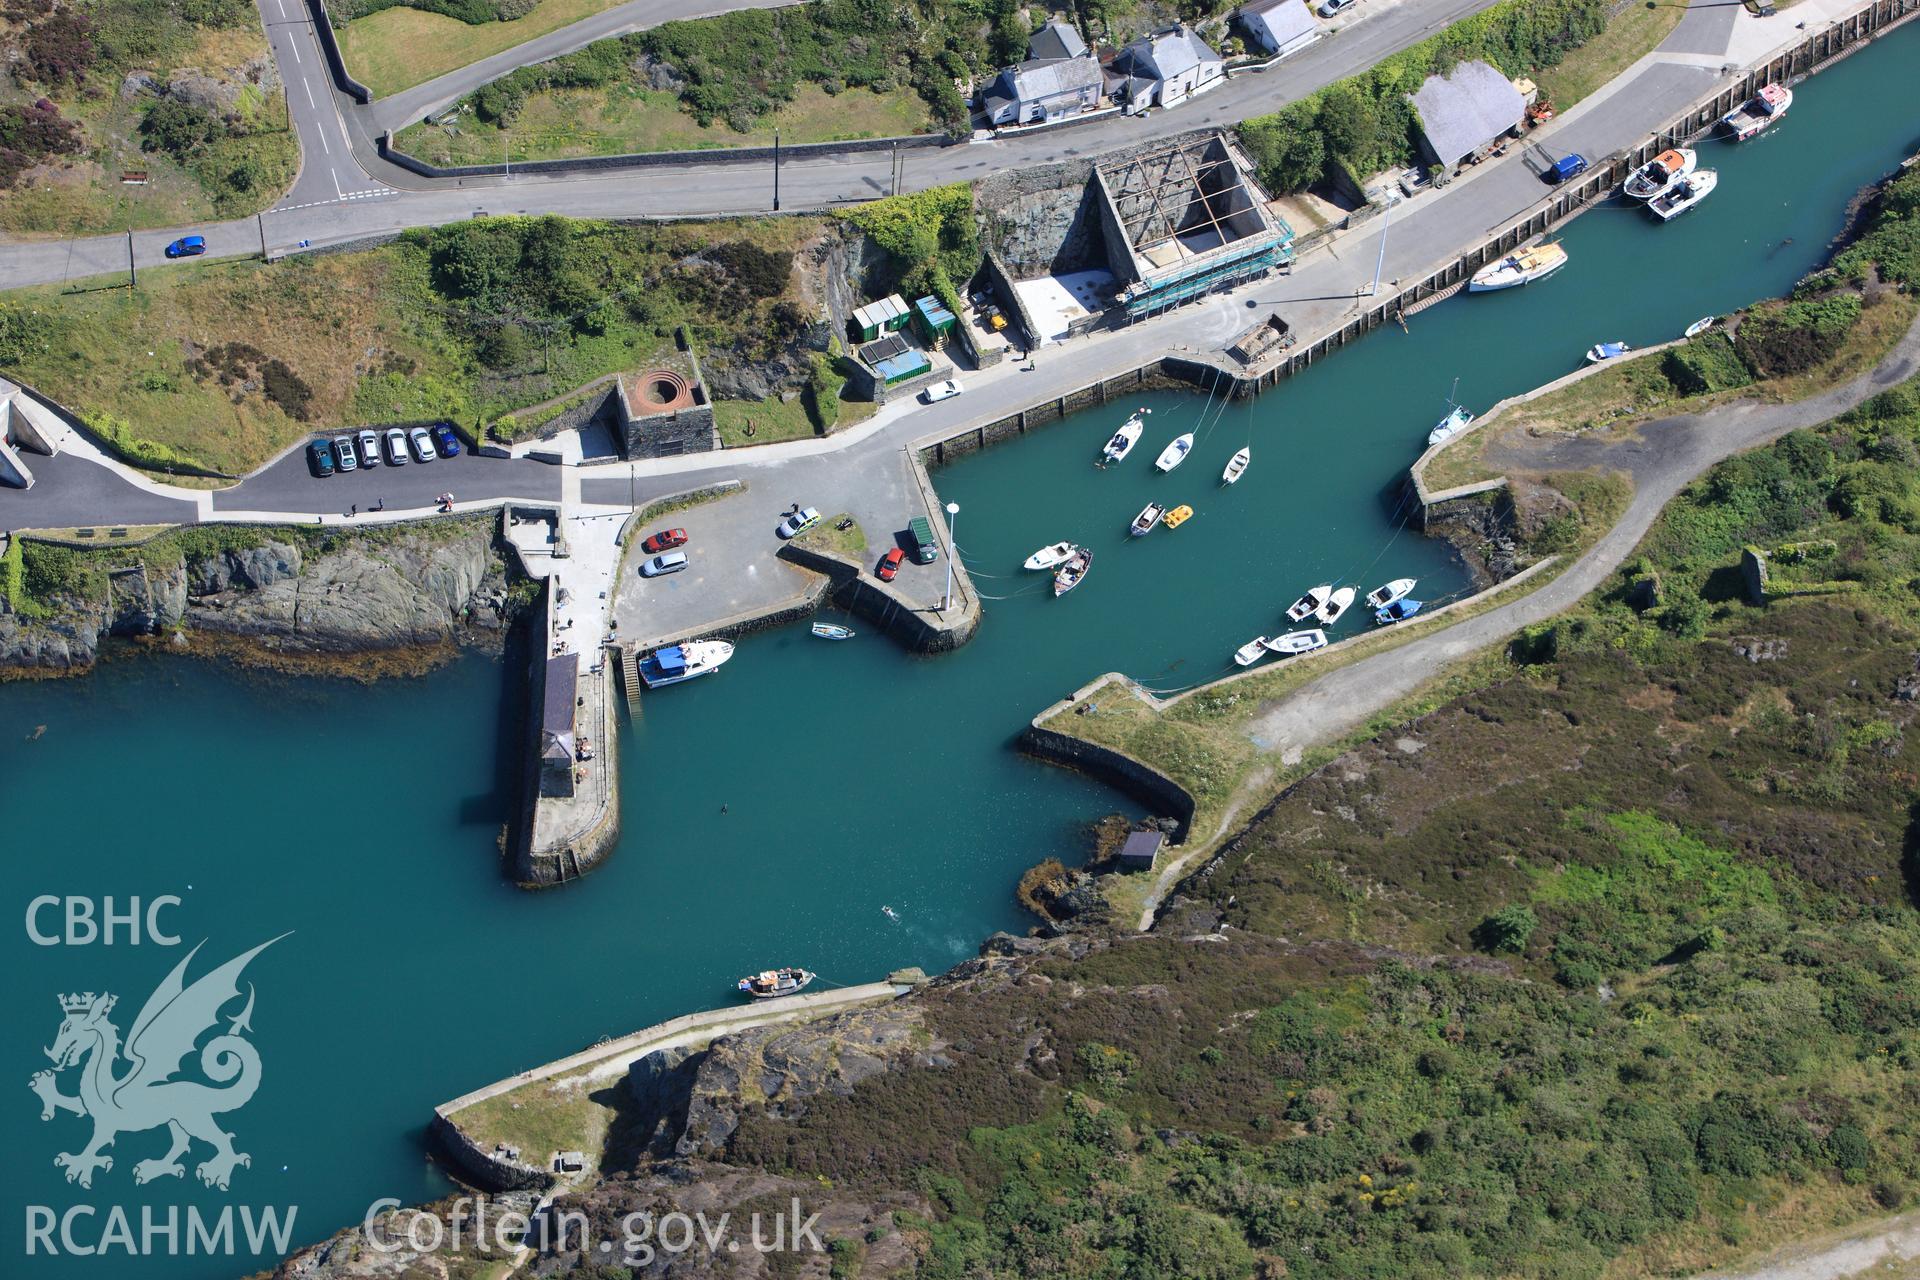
1465 113
1168 67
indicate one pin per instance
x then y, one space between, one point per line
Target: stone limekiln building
663 411
1185 220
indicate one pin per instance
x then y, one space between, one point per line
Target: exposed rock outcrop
285 599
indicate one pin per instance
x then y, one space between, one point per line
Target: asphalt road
288 484
71 492
345 192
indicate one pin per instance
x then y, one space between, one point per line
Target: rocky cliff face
282 598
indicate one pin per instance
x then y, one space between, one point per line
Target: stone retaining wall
1117 769
854 590
657 159
330 50
485 1168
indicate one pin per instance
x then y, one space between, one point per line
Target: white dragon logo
146 1097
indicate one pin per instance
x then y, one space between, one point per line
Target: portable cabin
935 321
889 315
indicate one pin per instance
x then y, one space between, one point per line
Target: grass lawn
1627 39
626 118
540 1119
774 420
398 48
850 542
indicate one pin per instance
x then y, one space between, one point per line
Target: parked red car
890 564
665 540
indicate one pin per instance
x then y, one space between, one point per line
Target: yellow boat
1178 516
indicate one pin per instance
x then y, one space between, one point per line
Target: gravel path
1665 456
1890 1250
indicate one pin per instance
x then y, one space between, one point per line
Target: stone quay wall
1125 773
856 591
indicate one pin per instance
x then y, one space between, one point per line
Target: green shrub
1704 365
1509 929
823 392
1787 338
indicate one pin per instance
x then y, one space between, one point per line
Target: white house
1043 91
1280 27
1168 67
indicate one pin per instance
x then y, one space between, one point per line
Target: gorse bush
1704 365
1779 339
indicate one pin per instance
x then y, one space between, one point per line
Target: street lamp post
776 171
953 510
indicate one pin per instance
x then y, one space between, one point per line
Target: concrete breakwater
497 1165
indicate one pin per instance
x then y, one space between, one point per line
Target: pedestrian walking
354 510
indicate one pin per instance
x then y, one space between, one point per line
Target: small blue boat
1606 351
1399 611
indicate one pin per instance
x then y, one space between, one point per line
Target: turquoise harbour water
770 812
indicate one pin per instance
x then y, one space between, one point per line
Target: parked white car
660 565
343 454
396 447
1330 7
799 522
942 391
422 443
369 449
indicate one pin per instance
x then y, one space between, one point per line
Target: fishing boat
1251 652
1381 597
1310 602
1149 516
1124 439
1600 351
1686 193
1174 454
770 983
832 631
1296 642
1341 600
1073 572
1179 516
1700 326
678 663
1657 176
1051 557
1757 112
1236 466
1523 266
1399 611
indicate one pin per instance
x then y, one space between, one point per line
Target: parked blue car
1571 165
445 441
187 247
320 457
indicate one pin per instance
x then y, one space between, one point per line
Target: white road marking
323 142
282 6
308 86
295 46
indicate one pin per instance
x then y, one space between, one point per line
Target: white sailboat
1456 421
1236 466
1051 557
1337 604
1521 267
1176 453
1310 602
1251 652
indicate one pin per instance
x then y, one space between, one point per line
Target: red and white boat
1757 112
1657 176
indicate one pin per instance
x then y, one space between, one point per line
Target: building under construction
1183 221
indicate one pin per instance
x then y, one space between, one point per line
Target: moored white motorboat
1657 176
1236 466
1381 597
678 663
1298 642
1073 572
1251 652
1686 193
1337 604
1456 421
1606 351
1124 439
832 631
1700 326
1757 112
1523 266
774 982
1051 557
1310 602
1149 516
1174 454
